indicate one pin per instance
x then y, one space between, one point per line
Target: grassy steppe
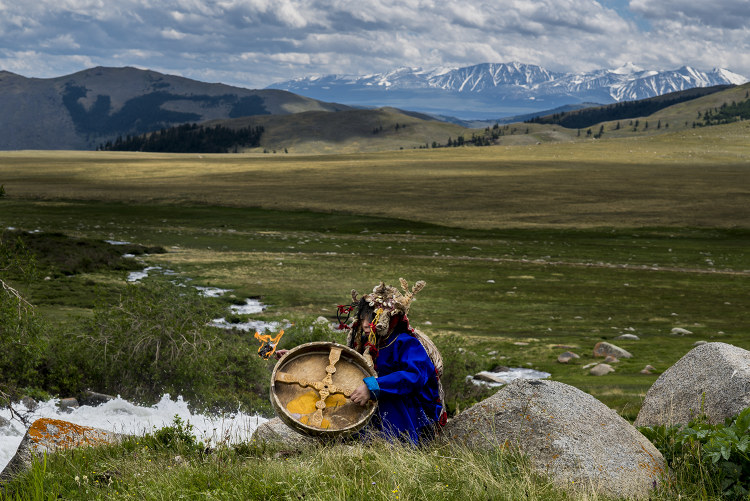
526 250
563 244
691 178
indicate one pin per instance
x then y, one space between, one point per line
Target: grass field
528 251
691 178
552 245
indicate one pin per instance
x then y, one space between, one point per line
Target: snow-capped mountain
504 88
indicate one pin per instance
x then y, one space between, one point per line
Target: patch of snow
250 325
121 416
212 291
135 276
251 306
117 242
511 374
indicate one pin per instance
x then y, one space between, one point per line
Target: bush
178 438
155 339
717 457
22 343
457 364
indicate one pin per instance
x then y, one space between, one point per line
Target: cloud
256 42
729 14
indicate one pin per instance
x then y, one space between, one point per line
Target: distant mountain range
85 109
494 90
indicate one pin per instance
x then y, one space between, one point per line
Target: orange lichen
56 434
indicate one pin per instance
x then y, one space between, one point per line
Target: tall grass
151 468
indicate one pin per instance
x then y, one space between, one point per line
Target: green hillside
678 117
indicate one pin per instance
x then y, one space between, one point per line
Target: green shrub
716 457
308 330
155 339
22 343
178 437
458 363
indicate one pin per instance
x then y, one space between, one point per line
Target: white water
511 374
121 416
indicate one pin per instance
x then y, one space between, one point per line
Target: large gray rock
567 434
93 399
275 431
603 349
49 435
601 370
711 379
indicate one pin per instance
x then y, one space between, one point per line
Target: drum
311 386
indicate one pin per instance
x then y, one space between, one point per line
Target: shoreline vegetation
527 252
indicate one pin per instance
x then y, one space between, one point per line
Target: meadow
528 251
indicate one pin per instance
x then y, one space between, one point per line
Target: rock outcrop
566 357
601 370
567 434
712 379
275 431
603 349
49 435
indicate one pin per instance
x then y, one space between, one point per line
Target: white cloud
64 41
731 14
172 34
262 41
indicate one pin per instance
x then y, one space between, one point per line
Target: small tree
2 190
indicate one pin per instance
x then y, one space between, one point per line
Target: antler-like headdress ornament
387 302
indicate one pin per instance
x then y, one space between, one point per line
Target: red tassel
443 419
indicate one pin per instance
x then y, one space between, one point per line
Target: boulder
29 403
567 434
93 399
711 379
628 337
649 369
611 359
274 430
601 370
566 357
698 343
679 331
602 349
489 377
68 404
50 435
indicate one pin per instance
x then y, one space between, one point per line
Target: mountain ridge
89 107
509 88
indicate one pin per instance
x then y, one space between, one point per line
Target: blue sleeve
372 385
412 372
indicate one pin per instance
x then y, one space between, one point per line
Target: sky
254 43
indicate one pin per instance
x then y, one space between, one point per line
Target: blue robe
406 389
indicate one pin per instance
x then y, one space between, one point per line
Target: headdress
386 305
